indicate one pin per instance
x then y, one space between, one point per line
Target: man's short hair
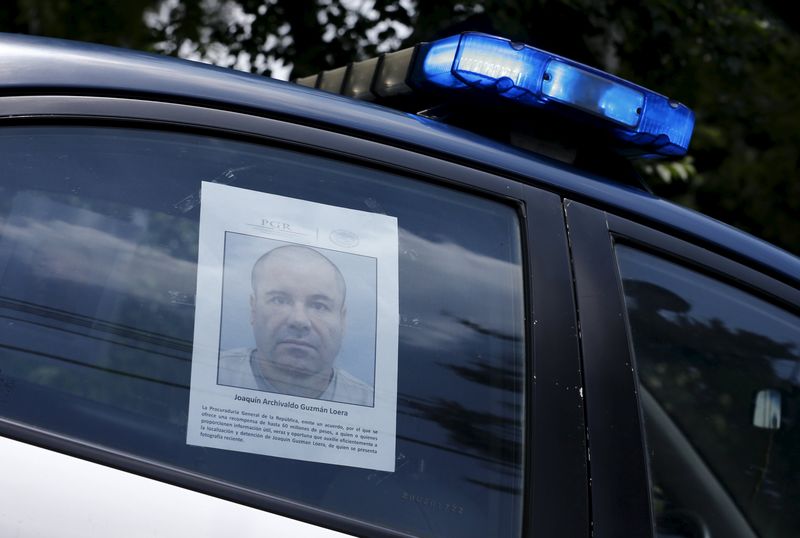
300 249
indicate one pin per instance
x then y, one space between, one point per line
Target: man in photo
298 315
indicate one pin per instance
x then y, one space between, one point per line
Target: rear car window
719 374
99 234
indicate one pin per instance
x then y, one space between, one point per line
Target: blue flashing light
670 121
492 63
437 62
537 78
591 93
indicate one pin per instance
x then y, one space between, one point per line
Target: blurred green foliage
733 62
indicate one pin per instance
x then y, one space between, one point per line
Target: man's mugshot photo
297 320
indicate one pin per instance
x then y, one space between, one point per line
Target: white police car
554 350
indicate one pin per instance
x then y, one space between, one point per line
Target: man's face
297 312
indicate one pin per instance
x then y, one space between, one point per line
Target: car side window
719 377
98 267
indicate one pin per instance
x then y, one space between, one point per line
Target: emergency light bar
481 64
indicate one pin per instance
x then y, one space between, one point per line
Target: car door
101 202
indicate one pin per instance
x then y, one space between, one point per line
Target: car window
719 373
98 275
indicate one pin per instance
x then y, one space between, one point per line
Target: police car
551 349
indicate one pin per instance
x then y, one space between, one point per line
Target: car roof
35 65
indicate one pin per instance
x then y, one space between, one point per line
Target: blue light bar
533 77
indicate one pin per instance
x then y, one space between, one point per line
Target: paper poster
296 326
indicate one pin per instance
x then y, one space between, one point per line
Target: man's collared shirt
237 369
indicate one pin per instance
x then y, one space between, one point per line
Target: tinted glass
715 360
98 261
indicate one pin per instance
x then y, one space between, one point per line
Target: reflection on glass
98 250
704 351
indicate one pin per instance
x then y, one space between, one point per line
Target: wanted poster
296 327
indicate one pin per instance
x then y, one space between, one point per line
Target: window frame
609 364
556 480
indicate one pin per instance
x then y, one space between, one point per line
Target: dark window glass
719 371
98 254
